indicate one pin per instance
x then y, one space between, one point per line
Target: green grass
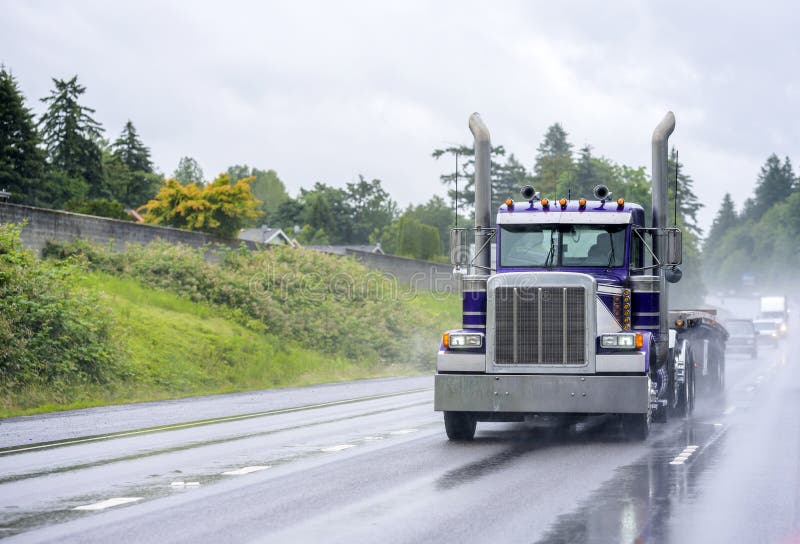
174 347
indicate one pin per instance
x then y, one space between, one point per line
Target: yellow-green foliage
220 208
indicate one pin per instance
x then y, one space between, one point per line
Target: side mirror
459 256
673 275
674 248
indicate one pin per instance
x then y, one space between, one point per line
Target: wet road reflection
637 503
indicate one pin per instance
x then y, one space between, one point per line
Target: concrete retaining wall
411 273
58 226
53 225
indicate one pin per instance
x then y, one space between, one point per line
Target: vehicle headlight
462 340
623 340
783 327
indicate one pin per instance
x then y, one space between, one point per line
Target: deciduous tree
217 208
188 171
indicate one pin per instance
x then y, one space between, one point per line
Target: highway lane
369 461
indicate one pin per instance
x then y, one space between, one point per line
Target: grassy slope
176 347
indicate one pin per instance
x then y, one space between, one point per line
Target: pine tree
465 176
688 203
553 161
72 136
775 183
725 220
508 180
129 149
22 162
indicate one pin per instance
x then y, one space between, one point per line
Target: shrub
50 331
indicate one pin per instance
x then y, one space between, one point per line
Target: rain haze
322 91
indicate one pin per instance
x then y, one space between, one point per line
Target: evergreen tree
466 173
130 150
688 203
553 161
72 136
589 172
775 183
508 181
22 162
726 220
188 171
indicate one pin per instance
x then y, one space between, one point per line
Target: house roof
266 235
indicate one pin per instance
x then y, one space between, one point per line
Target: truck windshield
542 245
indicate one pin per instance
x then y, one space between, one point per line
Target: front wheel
636 426
459 425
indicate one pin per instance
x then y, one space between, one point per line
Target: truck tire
636 426
684 402
459 425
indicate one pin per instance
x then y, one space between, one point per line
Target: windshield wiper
552 252
611 255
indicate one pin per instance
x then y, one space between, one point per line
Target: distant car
744 337
768 332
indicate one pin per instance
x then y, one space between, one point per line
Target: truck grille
540 325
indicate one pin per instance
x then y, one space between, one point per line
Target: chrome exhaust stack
660 149
483 194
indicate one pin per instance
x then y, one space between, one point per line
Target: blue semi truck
573 315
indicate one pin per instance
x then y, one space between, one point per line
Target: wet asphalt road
368 461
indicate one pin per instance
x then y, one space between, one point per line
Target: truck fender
673 337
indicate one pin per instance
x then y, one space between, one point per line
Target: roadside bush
317 301
51 331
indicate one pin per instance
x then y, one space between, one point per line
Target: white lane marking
185 484
174 426
750 389
246 470
717 424
729 410
684 456
373 438
340 447
403 431
108 503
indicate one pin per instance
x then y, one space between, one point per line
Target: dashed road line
339 447
403 431
245 470
684 456
108 503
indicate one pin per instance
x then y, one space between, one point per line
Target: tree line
757 249
62 160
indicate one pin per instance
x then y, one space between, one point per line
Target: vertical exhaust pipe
660 146
483 192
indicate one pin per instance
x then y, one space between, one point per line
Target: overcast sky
324 91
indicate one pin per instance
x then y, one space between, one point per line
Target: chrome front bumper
538 393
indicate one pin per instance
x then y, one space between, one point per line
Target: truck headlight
783 327
462 340
623 340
